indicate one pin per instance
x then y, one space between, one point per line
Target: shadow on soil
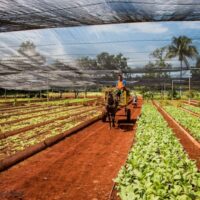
126 125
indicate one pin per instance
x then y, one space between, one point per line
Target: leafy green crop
157 167
35 114
38 119
15 143
187 120
192 108
67 101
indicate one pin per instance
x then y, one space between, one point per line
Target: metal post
47 87
164 92
181 74
30 91
189 88
85 93
172 89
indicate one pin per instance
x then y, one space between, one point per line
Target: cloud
190 25
155 28
150 28
10 42
56 46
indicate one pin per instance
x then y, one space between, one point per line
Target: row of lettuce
157 167
51 95
36 118
13 144
191 108
187 120
9 118
44 102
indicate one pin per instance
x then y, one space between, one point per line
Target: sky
136 41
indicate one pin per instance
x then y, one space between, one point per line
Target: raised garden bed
157 167
23 147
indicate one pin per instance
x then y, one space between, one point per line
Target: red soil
80 167
195 101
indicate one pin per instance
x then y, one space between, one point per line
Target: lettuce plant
191 108
157 167
188 121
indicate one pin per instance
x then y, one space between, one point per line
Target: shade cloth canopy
18 15
48 57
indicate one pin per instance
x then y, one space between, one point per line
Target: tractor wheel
128 115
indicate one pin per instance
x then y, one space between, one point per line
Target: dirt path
80 167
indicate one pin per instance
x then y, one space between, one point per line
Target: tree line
181 47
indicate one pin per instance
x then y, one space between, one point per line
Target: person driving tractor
121 85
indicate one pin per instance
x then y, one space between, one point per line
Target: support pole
172 90
189 89
47 87
164 92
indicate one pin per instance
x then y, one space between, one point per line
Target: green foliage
104 61
157 166
19 142
165 103
175 94
87 63
148 95
190 94
36 118
107 61
182 48
187 120
192 108
160 54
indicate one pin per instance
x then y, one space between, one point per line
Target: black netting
35 14
93 56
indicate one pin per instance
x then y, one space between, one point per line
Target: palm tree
182 48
